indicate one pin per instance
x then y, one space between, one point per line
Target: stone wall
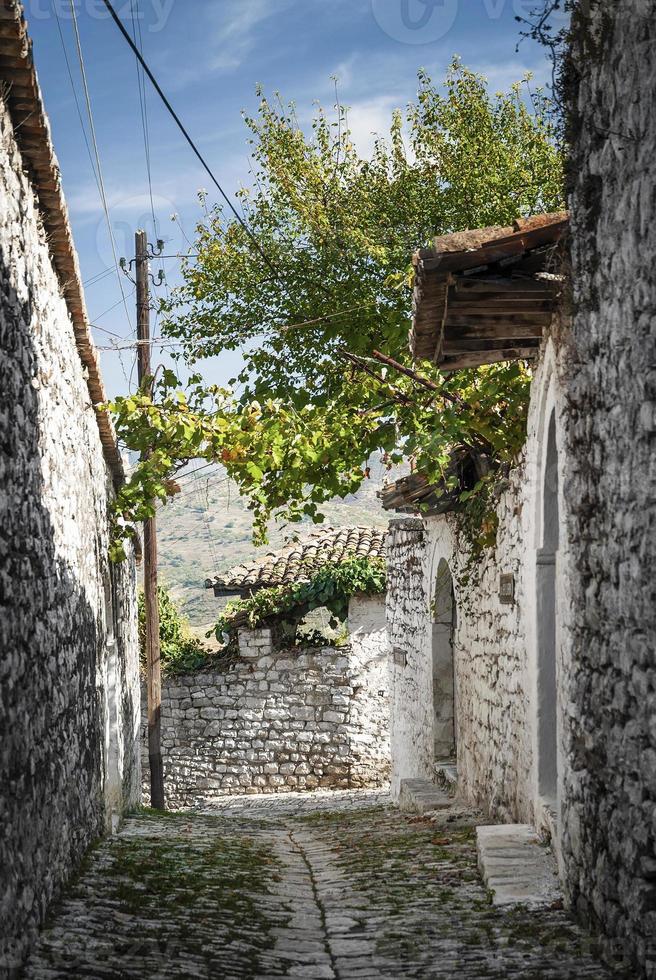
411 720
281 720
491 660
496 687
69 684
609 843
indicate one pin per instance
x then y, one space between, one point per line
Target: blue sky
208 56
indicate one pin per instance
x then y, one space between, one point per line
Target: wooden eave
414 493
487 295
22 95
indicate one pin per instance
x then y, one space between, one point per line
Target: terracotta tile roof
486 295
299 560
19 87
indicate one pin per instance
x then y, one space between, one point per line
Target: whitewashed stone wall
411 721
494 644
281 720
609 841
69 714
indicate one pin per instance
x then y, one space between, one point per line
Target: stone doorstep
420 796
516 867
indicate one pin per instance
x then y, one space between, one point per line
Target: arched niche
443 690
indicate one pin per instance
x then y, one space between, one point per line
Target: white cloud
370 118
237 32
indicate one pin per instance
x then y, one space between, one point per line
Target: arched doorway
547 743
444 611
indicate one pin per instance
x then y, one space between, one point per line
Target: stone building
475 649
530 683
69 712
609 820
298 560
284 716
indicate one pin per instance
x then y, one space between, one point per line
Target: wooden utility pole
154 668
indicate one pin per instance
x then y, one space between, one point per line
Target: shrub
180 651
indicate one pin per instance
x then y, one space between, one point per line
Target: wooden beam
459 345
461 361
481 328
484 306
493 331
506 285
513 246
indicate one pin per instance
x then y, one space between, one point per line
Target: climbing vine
283 607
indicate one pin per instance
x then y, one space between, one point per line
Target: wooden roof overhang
487 295
414 493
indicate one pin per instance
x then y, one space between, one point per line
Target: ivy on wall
284 607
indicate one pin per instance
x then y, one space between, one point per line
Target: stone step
420 796
516 866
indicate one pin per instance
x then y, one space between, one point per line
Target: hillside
208 528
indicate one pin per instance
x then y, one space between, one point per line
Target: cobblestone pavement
326 885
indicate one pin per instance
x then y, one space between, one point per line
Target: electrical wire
98 277
101 182
74 90
205 505
145 127
102 275
270 265
117 20
134 12
109 332
190 473
210 483
134 345
109 310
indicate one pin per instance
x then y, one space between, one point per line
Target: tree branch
419 378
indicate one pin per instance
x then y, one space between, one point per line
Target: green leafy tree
324 290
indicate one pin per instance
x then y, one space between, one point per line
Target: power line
97 278
101 182
109 332
205 518
145 127
270 265
109 310
190 473
283 328
142 105
188 138
210 483
74 90
102 275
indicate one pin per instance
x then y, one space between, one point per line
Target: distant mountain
207 528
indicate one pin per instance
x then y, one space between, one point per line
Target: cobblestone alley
325 885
